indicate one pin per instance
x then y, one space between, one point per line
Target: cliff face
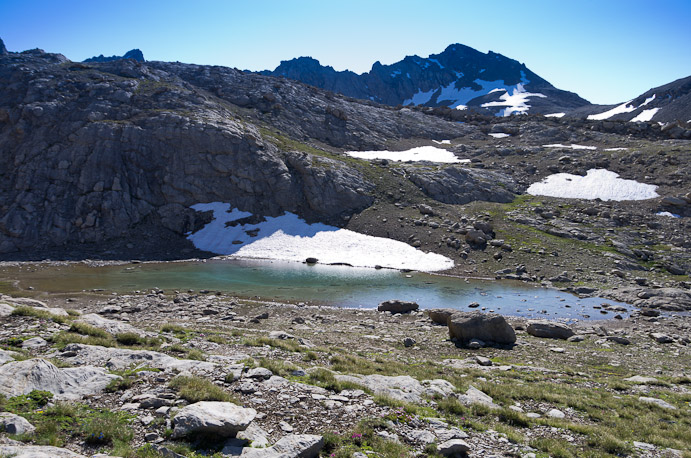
460 76
90 151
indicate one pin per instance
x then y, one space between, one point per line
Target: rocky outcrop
402 388
37 451
3 49
22 377
134 54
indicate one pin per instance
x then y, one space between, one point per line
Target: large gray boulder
15 424
488 327
397 306
440 316
220 418
549 329
22 377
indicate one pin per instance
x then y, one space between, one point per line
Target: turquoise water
319 284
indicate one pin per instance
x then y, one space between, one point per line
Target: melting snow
555 115
572 146
289 238
645 115
421 153
597 184
516 102
499 135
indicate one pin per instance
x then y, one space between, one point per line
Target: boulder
661 338
34 342
5 356
22 377
397 306
475 396
212 417
549 329
440 316
453 447
658 402
14 424
291 446
488 327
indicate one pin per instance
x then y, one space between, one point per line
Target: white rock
657 402
221 418
292 446
402 387
555 413
5 356
475 396
5 310
641 379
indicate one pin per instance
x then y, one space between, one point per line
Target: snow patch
623 108
515 102
442 142
645 115
616 149
499 135
436 62
420 98
289 238
671 215
648 100
572 146
555 115
464 107
421 153
597 184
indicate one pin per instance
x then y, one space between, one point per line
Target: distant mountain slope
135 54
668 103
459 77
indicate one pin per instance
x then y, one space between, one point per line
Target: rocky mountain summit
135 54
458 77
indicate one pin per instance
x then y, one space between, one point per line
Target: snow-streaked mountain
460 77
668 103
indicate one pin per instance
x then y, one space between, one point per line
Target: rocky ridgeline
281 409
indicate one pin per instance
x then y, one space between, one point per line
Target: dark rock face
488 327
135 54
458 76
3 49
457 185
549 330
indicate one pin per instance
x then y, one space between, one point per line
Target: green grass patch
38 313
195 389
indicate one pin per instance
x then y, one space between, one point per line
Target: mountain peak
3 49
135 54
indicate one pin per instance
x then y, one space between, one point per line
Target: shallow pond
335 285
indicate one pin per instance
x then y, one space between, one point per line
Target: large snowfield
419 154
289 238
597 184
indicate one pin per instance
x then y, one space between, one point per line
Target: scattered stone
618 339
475 396
482 361
220 418
408 342
291 446
576 338
402 388
34 342
556 413
661 338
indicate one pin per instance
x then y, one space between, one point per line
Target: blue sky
607 51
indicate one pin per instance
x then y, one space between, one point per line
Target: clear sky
607 51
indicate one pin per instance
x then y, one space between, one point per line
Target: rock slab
221 418
549 330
